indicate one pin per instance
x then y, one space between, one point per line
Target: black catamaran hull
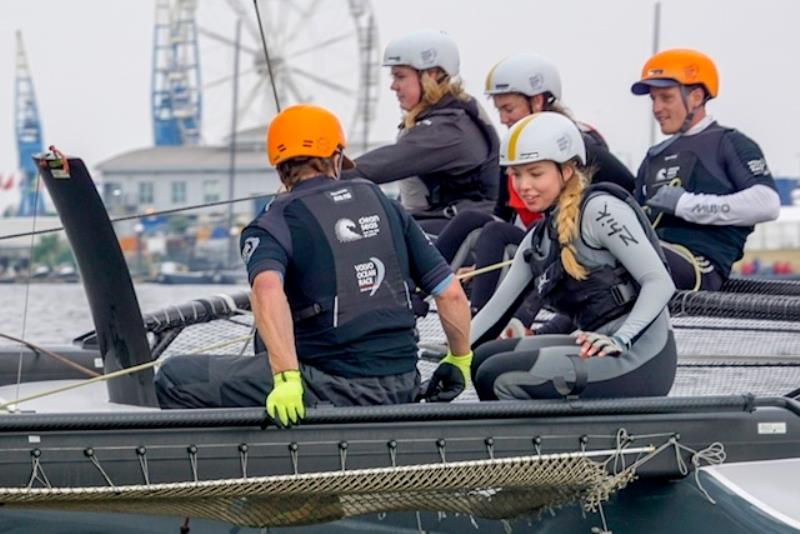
102 449
422 434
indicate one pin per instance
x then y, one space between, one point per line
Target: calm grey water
56 313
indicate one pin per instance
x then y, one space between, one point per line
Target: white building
162 178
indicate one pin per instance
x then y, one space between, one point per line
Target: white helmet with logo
424 49
545 136
524 73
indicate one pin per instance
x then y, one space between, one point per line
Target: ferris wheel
325 52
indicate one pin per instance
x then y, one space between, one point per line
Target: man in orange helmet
706 186
332 266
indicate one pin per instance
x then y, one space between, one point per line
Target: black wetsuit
349 259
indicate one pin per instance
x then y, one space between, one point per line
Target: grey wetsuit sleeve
756 198
609 223
450 144
753 205
500 308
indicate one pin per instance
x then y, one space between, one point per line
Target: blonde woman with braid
595 259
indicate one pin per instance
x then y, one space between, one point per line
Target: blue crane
28 130
176 97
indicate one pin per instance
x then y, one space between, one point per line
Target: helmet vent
308 143
281 147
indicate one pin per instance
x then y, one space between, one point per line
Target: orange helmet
678 66
305 130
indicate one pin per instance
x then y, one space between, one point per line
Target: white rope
484 270
28 281
37 473
714 454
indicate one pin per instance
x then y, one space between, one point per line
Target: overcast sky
91 62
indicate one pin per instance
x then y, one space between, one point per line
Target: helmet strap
687 122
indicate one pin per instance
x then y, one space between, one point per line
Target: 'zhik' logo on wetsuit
370 275
607 221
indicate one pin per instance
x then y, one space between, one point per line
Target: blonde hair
568 220
557 107
435 86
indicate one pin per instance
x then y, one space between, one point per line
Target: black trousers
490 249
211 381
685 272
451 237
434 220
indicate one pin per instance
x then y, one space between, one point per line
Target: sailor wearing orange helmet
707 185
332 266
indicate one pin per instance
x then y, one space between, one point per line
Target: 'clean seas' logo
345 230
348 231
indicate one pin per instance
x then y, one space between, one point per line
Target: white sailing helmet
524 73
424 49
545 136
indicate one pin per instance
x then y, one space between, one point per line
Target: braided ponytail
568 222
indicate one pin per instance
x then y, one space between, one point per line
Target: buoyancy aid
695 163
369 279
608 292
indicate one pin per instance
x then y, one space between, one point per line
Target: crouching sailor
332 265
595 259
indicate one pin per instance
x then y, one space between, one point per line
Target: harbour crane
28 129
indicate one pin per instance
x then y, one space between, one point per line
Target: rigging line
266 56
483 270
30 275
58 357
477 272
109 376
101 378
142 215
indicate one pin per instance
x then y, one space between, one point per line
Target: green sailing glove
450 378
285 401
